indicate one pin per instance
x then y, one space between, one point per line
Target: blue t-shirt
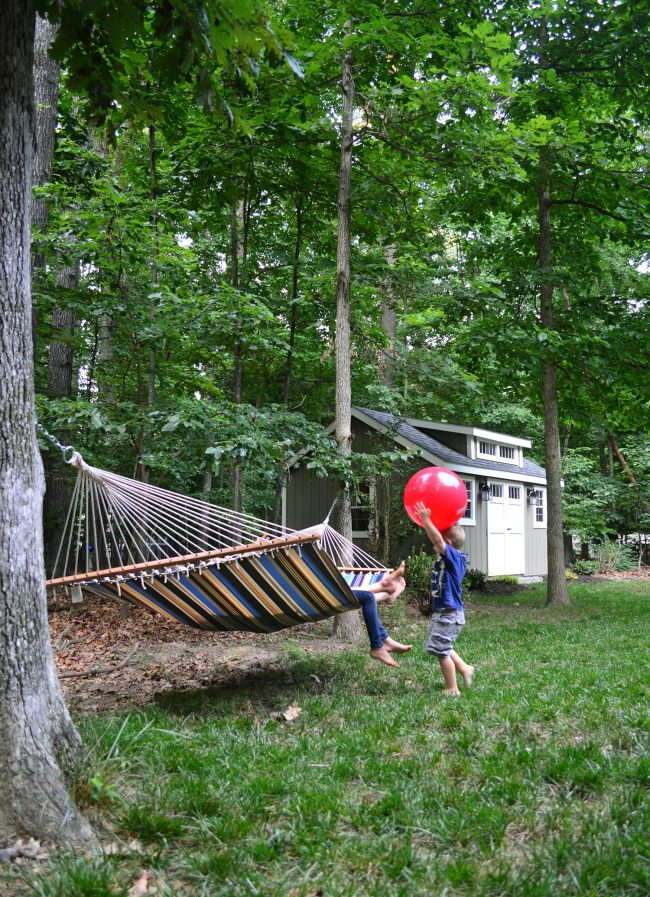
447 580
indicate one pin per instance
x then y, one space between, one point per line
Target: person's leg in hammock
381 644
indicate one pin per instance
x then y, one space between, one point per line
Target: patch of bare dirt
107 663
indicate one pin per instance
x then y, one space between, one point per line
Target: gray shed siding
308 498
455 441
536 558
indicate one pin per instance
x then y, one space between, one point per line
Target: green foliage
613 557
584 567
507 580
474 580
451 119
570 575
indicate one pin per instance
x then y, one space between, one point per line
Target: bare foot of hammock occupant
382 654
396 647
391 586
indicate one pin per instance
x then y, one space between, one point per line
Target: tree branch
588 205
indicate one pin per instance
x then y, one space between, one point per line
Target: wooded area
236 201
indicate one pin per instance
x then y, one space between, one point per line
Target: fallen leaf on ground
292 712
140 886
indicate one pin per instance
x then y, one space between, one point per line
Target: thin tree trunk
238 249
46 95
293 317
557 592
346 625
39 741
288 370
145 471
388 324
59 384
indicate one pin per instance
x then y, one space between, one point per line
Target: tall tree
39 740
346 625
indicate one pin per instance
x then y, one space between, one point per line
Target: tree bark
388 324
238 251
46 95
39 741
288 370
557 591
59 384
346 625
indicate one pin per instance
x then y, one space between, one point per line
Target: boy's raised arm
431 530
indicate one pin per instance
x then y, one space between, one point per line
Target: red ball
442 491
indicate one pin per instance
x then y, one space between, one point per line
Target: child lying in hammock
387 589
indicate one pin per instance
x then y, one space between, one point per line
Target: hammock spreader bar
201 559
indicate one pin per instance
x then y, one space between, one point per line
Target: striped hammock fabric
360 580
266 593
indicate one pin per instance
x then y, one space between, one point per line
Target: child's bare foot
383 655
396 647
451 692
468 675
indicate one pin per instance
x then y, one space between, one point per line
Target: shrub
475 580
613 557
508 580
569 575
584 567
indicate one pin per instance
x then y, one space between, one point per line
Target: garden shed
505 520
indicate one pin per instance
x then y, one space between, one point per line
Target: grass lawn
534 782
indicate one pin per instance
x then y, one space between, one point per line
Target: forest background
185 250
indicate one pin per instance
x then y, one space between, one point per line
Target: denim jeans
376 632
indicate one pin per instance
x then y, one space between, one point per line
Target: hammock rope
117 527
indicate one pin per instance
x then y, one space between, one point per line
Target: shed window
507 451
539 508
496 490
487 448
514 492
362 509
468 516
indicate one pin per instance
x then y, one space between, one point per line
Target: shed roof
398 427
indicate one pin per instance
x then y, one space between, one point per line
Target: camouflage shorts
444 630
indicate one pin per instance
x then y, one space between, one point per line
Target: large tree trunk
346 625
557 592
39 742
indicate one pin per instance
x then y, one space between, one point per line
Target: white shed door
506 550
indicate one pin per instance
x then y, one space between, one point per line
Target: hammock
200 564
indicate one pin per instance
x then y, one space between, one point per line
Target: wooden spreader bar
216 554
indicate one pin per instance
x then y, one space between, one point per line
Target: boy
447 599
388 589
